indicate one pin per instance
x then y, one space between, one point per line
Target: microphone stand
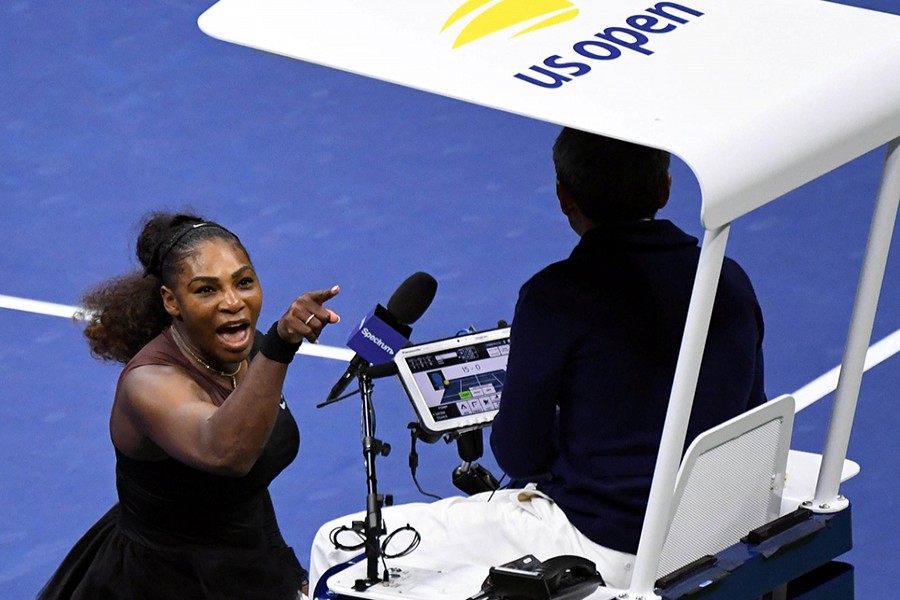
373 527
372 447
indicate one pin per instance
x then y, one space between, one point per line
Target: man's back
598 336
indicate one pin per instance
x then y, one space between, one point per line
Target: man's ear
667 189
170 302
566 202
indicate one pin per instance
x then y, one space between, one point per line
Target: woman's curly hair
126 312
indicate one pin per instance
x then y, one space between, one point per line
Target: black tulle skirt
107 564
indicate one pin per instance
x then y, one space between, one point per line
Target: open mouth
234 334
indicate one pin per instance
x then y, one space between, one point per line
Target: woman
198 423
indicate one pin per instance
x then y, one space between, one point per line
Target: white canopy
757 96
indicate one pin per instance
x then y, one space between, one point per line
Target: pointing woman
198 424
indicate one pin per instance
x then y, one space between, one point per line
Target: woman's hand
307 316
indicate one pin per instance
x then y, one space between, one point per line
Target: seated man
595 340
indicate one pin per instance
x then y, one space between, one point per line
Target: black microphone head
413 297
385 369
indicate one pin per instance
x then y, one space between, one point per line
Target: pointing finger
322 296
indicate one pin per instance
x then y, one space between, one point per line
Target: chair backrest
730 482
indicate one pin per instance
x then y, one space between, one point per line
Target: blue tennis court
112 110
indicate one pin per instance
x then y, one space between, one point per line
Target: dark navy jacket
595 339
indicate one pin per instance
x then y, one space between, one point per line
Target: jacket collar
636 235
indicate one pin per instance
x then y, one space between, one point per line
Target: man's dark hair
610 180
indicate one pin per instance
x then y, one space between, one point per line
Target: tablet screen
456 383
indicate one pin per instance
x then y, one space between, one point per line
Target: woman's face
216 298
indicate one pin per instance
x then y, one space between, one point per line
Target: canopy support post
859 335
681 399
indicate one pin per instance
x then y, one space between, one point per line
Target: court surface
111 110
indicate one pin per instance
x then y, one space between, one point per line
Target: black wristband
275 348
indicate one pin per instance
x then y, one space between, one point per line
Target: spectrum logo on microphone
376 340
377 335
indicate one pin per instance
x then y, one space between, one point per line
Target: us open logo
637 36
519 16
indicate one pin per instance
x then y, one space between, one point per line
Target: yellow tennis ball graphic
497 15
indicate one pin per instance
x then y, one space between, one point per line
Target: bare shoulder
163 385
150 399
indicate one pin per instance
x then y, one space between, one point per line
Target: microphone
383 370
385 330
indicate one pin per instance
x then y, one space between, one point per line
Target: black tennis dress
178 532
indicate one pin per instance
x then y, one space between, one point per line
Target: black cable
414 543
499 486
414 460
333 538
423 492
417 539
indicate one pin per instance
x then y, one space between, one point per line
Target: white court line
77 314
810 393
820 387
41 308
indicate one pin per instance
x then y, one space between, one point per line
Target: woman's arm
160 410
